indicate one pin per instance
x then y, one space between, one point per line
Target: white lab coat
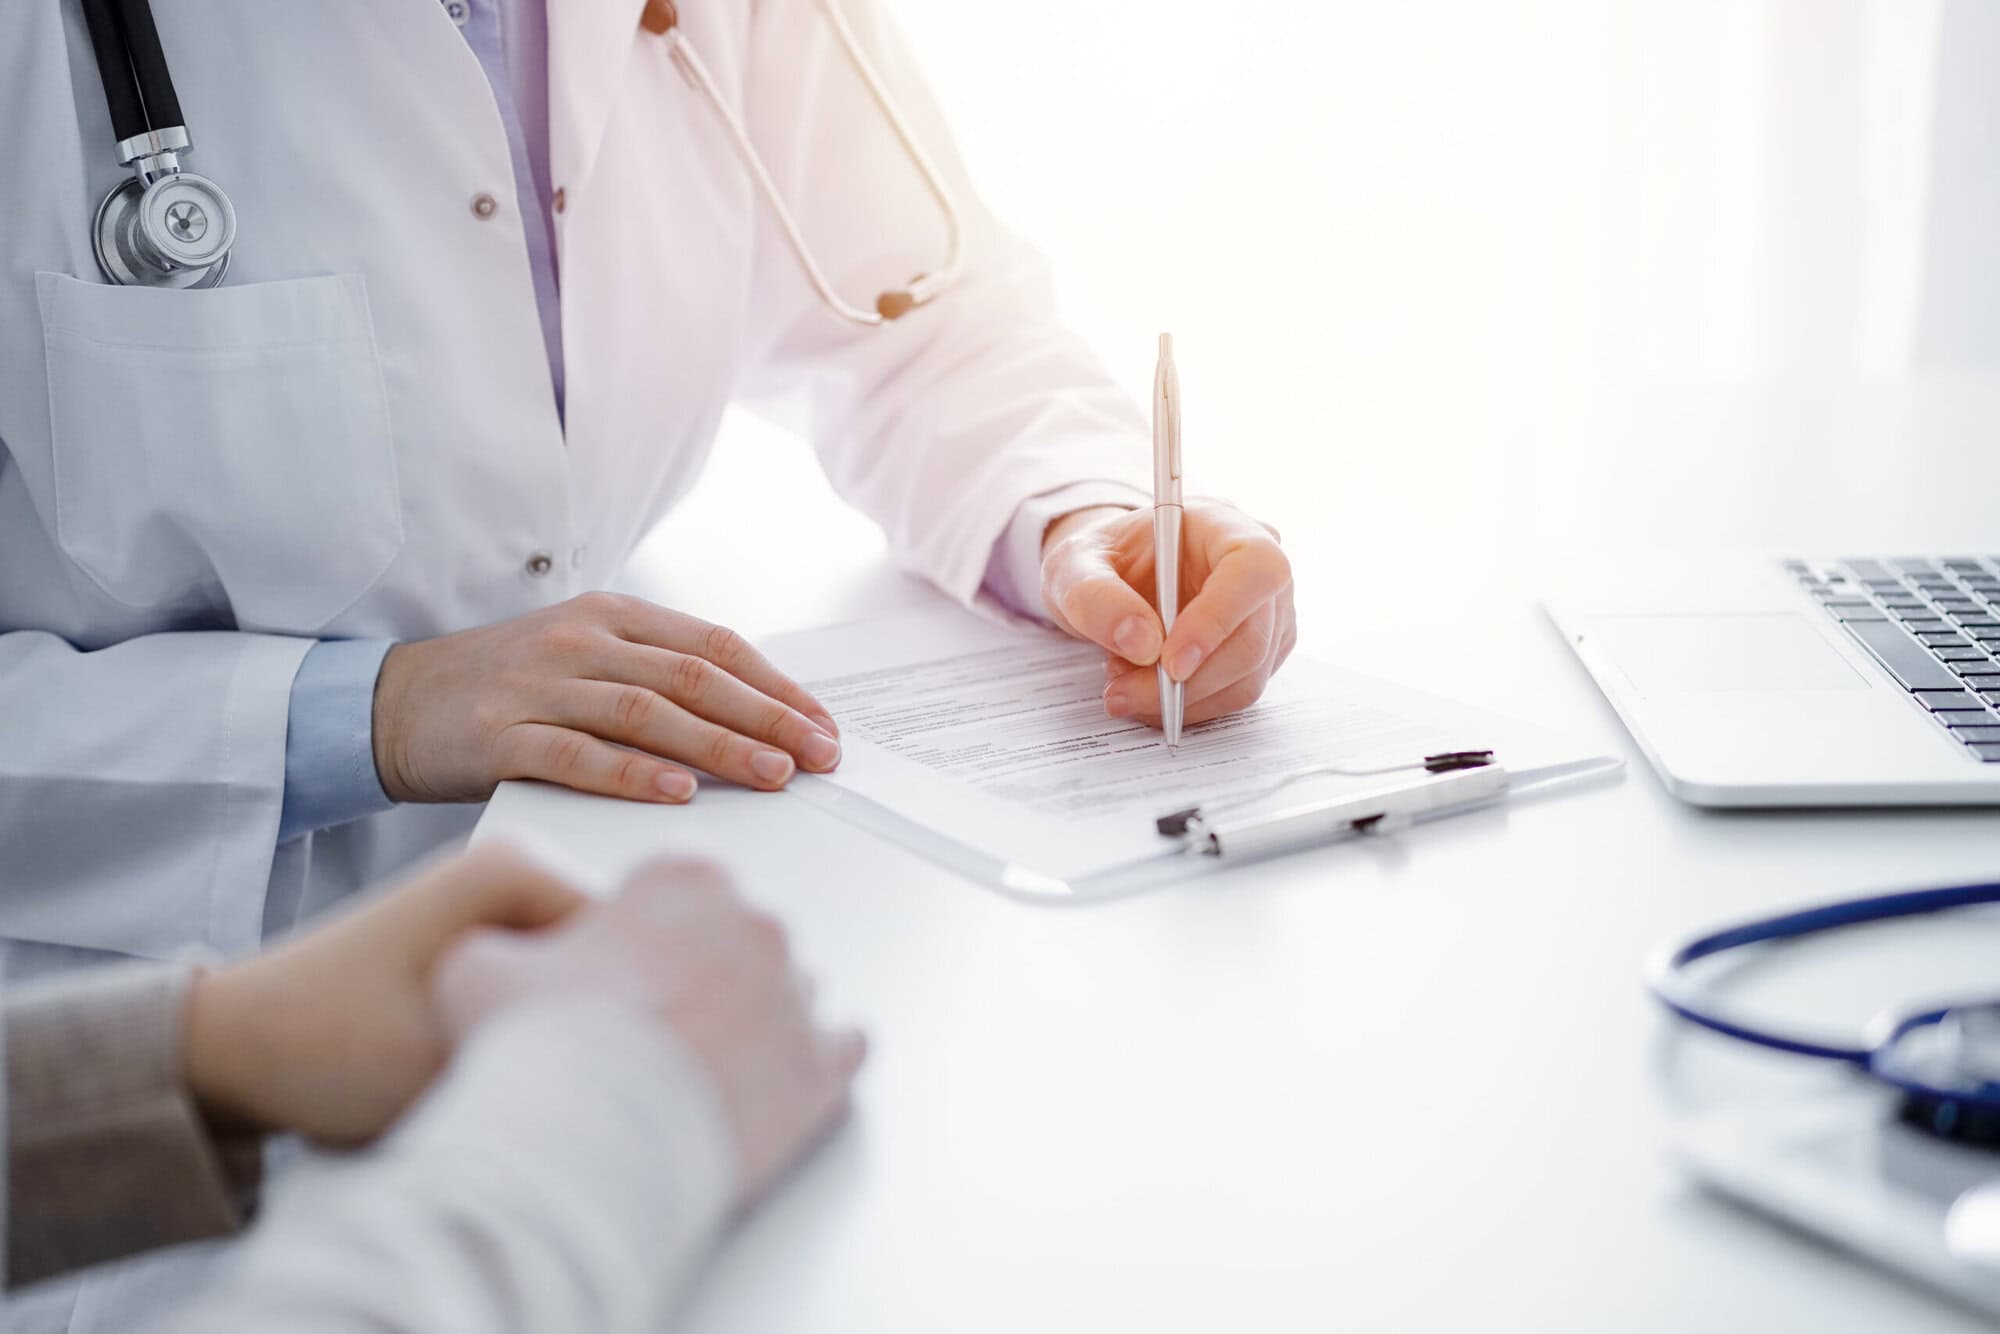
356 435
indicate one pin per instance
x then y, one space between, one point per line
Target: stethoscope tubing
1666 976
138 86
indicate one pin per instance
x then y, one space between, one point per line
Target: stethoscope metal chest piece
1944 1061
163 226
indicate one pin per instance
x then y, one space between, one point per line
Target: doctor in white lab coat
497 276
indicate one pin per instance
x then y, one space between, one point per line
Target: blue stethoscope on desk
1945 1062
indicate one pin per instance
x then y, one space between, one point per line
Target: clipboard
986 749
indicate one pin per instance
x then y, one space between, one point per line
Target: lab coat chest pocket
236 437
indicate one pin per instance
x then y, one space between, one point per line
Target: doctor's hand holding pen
1235 625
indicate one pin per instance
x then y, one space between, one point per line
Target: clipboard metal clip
1451 781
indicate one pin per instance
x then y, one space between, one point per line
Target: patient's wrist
220 1053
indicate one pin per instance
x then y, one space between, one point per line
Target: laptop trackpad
1697 654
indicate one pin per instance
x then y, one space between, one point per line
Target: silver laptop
1845 681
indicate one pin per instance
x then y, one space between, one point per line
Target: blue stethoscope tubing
1943 1105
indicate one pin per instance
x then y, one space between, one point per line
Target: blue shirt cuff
330 774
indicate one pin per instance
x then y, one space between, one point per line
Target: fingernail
820 752
824 724
675 787
1181 666
773 766
1117 703
1132 639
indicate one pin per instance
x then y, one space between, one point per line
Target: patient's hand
680 946
333 1033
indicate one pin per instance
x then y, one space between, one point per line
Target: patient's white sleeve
567 1173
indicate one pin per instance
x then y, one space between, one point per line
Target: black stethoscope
167 227
1945 1062
164 227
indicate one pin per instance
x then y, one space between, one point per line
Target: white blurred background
1467 284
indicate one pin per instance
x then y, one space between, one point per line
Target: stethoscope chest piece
1946 1065
162 226
174 232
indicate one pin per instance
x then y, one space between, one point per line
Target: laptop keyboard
1933 624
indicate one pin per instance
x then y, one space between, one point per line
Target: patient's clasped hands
335 1033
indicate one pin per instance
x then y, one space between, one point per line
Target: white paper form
987 746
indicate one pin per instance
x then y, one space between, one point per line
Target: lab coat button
484 205
540 564
458 11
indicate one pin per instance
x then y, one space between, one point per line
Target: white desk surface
1400 1085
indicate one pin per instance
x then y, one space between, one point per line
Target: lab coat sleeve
943 424
568 1173
151 773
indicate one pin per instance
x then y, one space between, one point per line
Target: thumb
494 884
1085 592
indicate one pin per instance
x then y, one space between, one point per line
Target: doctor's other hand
678 945
603 693
331 1034
1236 624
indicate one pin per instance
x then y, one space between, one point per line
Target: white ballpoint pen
1167 525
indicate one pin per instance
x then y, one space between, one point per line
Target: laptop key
1945 639
1946 701
1980 621
1961 654
1962 718
1983 682
1906 659
1977 734
1986 751
1977 667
